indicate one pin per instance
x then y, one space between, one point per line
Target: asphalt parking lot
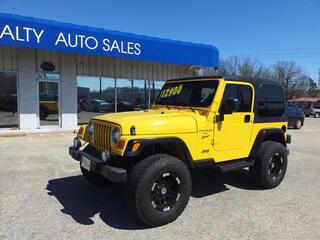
44 196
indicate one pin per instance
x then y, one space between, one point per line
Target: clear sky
267 30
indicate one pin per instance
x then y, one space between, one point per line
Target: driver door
232 135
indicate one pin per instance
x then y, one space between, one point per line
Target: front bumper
114 174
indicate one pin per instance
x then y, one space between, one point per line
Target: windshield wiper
185 105
191 109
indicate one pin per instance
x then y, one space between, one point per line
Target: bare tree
295 82
298 87
243 66
288 73
222 70
232 65
313 89
249 67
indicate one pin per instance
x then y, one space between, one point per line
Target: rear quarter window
270 101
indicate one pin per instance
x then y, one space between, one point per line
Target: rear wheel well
275 137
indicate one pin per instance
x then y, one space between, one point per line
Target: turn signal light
136 147
80 132
120 144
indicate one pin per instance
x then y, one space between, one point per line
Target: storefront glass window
131 95
155 88
8 100
95 97
108 91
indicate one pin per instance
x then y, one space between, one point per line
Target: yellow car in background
48 107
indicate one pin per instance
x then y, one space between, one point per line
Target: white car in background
316 111
96 105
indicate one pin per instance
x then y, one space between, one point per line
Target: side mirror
229 106
220 117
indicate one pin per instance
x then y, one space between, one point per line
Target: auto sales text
71 40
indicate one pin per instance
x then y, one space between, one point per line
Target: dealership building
56 75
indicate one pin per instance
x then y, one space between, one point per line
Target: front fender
83 133
157 141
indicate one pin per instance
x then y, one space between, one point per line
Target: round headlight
90 128
115 136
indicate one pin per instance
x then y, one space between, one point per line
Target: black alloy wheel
158 189
275 166
270 164
165 192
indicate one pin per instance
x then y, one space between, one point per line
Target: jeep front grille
102 135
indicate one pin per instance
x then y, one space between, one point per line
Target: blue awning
64 37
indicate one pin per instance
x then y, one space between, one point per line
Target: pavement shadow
210 181
82 201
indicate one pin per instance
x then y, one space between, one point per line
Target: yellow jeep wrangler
228 123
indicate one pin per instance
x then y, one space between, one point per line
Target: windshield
188 93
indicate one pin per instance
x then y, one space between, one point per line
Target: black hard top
256 82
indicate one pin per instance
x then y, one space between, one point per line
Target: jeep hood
155 122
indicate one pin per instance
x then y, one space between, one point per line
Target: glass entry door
8 100
48 103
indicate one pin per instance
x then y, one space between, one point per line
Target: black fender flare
145 142
262 135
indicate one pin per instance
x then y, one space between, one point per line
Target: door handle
247 118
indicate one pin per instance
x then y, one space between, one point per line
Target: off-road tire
94 178
263 161
141 184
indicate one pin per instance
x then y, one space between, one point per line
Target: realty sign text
57 39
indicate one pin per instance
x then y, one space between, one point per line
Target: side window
241 92
291 109
230 91
245 93
270 101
